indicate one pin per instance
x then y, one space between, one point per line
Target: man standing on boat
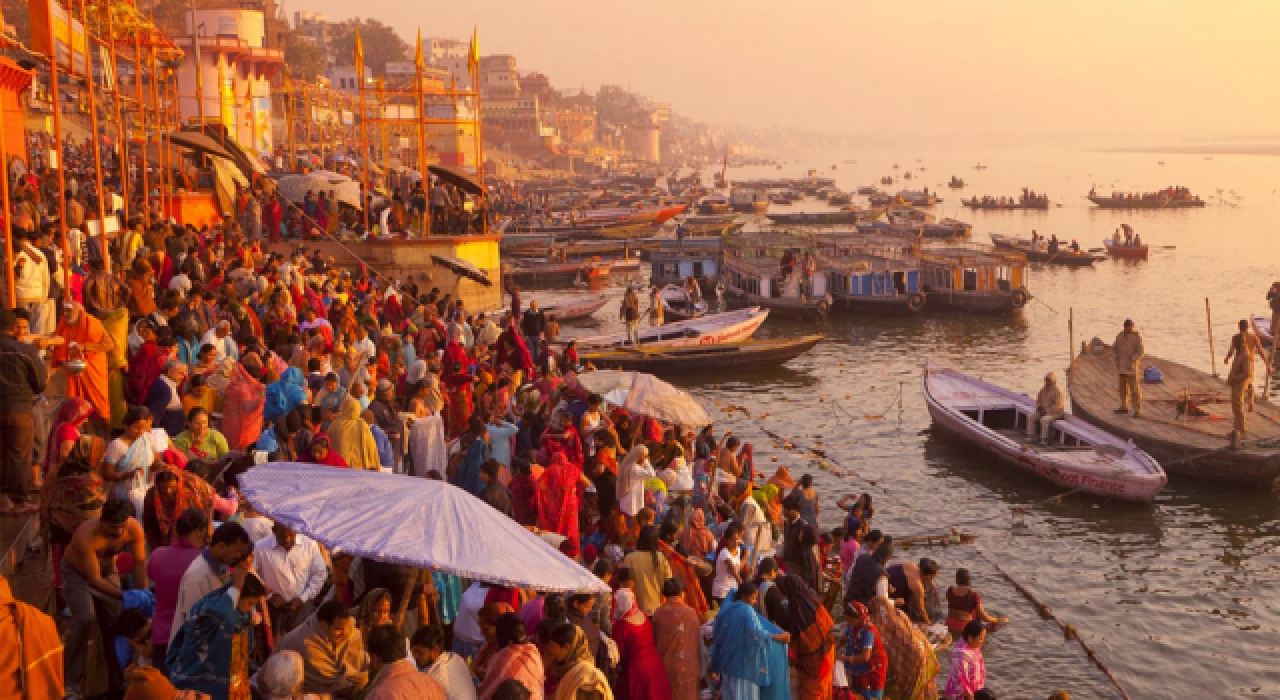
1243 346
1129 351
630 313
1050 406
1273 300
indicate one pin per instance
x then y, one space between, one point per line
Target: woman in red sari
458 411
66 430
556 496
562 438
320 451
641 675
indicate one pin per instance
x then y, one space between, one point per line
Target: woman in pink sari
556 497
242 404
517 659
641 675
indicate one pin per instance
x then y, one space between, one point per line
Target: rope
1068 631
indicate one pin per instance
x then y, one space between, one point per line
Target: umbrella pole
409 586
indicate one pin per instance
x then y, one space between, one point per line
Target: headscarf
331 459
578 652
697 539
627 470
73 491
192 492
625 606
352 438
556 497
242 405
367 605
73 412
285 394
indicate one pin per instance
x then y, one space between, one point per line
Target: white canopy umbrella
411 521
647 395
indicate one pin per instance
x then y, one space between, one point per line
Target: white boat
1078 456
730 327
677 306
577 308
1262 326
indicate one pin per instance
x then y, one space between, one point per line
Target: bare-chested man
89 571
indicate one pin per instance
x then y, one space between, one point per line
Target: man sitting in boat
1075 246
1115 238
1050 406
1053 244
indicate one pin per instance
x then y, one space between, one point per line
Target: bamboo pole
163 144
8 218
57 150
97 145
1213 360
146 138
1071 338
121 143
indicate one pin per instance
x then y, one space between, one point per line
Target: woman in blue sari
210 653
748 652
284 395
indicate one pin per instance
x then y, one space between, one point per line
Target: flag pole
367 189
422 136
97 144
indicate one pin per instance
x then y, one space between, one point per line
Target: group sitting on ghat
134 405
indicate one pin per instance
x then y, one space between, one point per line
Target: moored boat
1262 326
1128 252
765 270
541 271
825 218
729 327
677 306
1078 455
702 358
973 277
860 280
839 199
712 205
1063 256
1186 419
576 309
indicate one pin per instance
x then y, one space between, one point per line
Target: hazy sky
977 68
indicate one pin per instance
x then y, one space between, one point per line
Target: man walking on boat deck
1129 351
1243 346
1050 406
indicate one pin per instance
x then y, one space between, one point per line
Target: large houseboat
973 277
766 270
675 266
861 280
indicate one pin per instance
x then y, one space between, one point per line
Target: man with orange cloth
85 337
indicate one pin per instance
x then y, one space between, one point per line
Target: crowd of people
133 402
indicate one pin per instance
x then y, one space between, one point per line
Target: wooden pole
122 142
8 219
1071 338
364 150
57 150
1213 360
162 144
97 145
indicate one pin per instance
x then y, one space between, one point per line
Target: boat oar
1097 250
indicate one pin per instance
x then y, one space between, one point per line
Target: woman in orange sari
242 404
86 332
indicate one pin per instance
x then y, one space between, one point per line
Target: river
1175 596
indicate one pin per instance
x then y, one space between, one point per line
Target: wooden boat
997 204
1146 202
867 190
1064 256
702 358
542 271
713 205
967 276
955 183
840 199
1194 446
676 305
861 280
576 309
752 275
729 327
1262 326
823 218
1128 252
1078 456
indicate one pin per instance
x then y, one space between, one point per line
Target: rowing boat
702 358
576 309
677 305
1191 445
1064 255
1128 252
1262 326
730 327
1079 455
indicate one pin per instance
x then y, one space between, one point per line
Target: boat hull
1126 252
783 308
704 358
1128 485
576 309
739 328
1062 257
1124 203
984 302
899 305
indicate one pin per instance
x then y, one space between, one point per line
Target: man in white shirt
220 338
447 668
227 549
32 284
294 571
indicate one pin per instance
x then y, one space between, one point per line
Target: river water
1176 596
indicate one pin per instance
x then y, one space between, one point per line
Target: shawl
352 437
284 395
193 492
401 680
569 446
913 665
427 445
73 412
468 476
242 406
73 491
682 570
322 661
740 644
757 533
513 352
627 471
145 367
697 539
968 670
39 650
583 676
91 384
556 497
199 655
331 458
809 624
578 651
521 662
782 479
676 634
434 400
454 354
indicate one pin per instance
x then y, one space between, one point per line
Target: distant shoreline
1243 149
